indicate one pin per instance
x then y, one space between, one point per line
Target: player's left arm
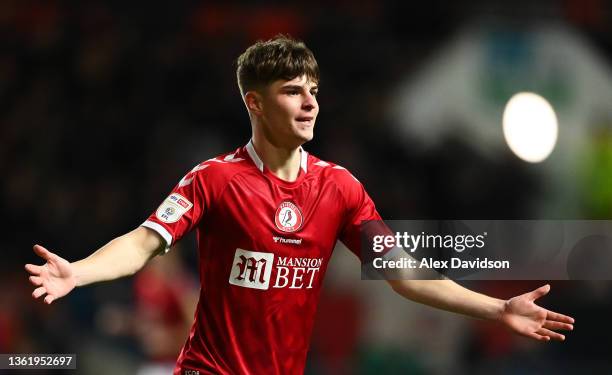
520 314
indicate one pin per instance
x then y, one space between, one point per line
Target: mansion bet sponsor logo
252 269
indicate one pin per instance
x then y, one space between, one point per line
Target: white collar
260 165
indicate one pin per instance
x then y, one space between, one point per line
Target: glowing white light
530 126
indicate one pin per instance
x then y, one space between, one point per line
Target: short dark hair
281 57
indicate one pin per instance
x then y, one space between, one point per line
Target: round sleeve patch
173 208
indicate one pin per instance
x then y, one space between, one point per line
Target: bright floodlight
530 126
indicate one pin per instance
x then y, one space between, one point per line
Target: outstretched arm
520 314
120 257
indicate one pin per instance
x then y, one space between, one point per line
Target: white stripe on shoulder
340 168
199 167
186 181
232 158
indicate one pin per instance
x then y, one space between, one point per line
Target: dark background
104 106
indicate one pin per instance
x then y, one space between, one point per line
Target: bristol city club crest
288 217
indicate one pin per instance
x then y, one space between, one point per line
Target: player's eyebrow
298 87
292 87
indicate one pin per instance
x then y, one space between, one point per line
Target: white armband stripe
161 231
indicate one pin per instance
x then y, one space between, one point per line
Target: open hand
55 278
524 317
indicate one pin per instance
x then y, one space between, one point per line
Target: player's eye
314 92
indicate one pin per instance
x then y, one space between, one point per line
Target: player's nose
310 102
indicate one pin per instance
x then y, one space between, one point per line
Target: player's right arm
123 256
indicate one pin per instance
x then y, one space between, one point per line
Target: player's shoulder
223 167
331 171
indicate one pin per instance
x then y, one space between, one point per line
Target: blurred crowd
104 105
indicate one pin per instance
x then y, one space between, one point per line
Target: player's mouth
305 120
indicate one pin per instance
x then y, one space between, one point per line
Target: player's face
290 110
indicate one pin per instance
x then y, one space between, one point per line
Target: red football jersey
264 245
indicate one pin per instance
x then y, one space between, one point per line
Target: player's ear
254 102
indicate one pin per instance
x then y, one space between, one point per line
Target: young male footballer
267 217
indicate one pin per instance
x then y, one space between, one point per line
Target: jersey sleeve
359 209
182 209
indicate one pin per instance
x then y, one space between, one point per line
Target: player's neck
283 162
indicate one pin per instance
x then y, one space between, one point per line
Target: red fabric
259 284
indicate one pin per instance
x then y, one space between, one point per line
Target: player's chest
279 238
308 215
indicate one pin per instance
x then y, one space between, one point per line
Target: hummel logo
293 241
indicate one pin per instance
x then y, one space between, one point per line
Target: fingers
541 291
558 325
33 269
551 334
551 315
44 253
39 292
537 336
37 281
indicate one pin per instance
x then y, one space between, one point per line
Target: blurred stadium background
104 105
